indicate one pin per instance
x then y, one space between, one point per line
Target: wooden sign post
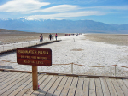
34 57
34 77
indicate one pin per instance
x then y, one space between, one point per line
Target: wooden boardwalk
36 44
20 84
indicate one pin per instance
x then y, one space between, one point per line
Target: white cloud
22 5
28 6
108 7
64 15
59 8
60 11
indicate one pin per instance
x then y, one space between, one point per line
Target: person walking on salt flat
56 36
50 37
41 38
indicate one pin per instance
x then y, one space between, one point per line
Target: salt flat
95 58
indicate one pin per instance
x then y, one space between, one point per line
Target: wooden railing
73 68
12 46
114 70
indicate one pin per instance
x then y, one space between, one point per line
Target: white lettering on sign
32 61
31 52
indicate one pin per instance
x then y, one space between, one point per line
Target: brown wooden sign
34 56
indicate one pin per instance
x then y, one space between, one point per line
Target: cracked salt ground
81 52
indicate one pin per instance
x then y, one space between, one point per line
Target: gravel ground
117 39
11 38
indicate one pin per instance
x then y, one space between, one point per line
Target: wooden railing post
72 67
13 46
22 45
3 48
115 69
74 39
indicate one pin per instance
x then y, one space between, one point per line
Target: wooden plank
72 89
3 74
117 87
104 87
15 92
19 85
99 91
8 76
54 86
122 86
28 87
25 89
49 85
61 86
7 82
125 82
41 80
91 87
86 87
14 85
79 89
8 86
111 87
24 79
65 90
43 87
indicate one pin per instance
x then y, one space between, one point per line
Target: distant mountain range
62 26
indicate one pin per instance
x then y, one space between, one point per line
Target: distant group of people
50 37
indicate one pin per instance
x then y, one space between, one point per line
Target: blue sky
106 11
